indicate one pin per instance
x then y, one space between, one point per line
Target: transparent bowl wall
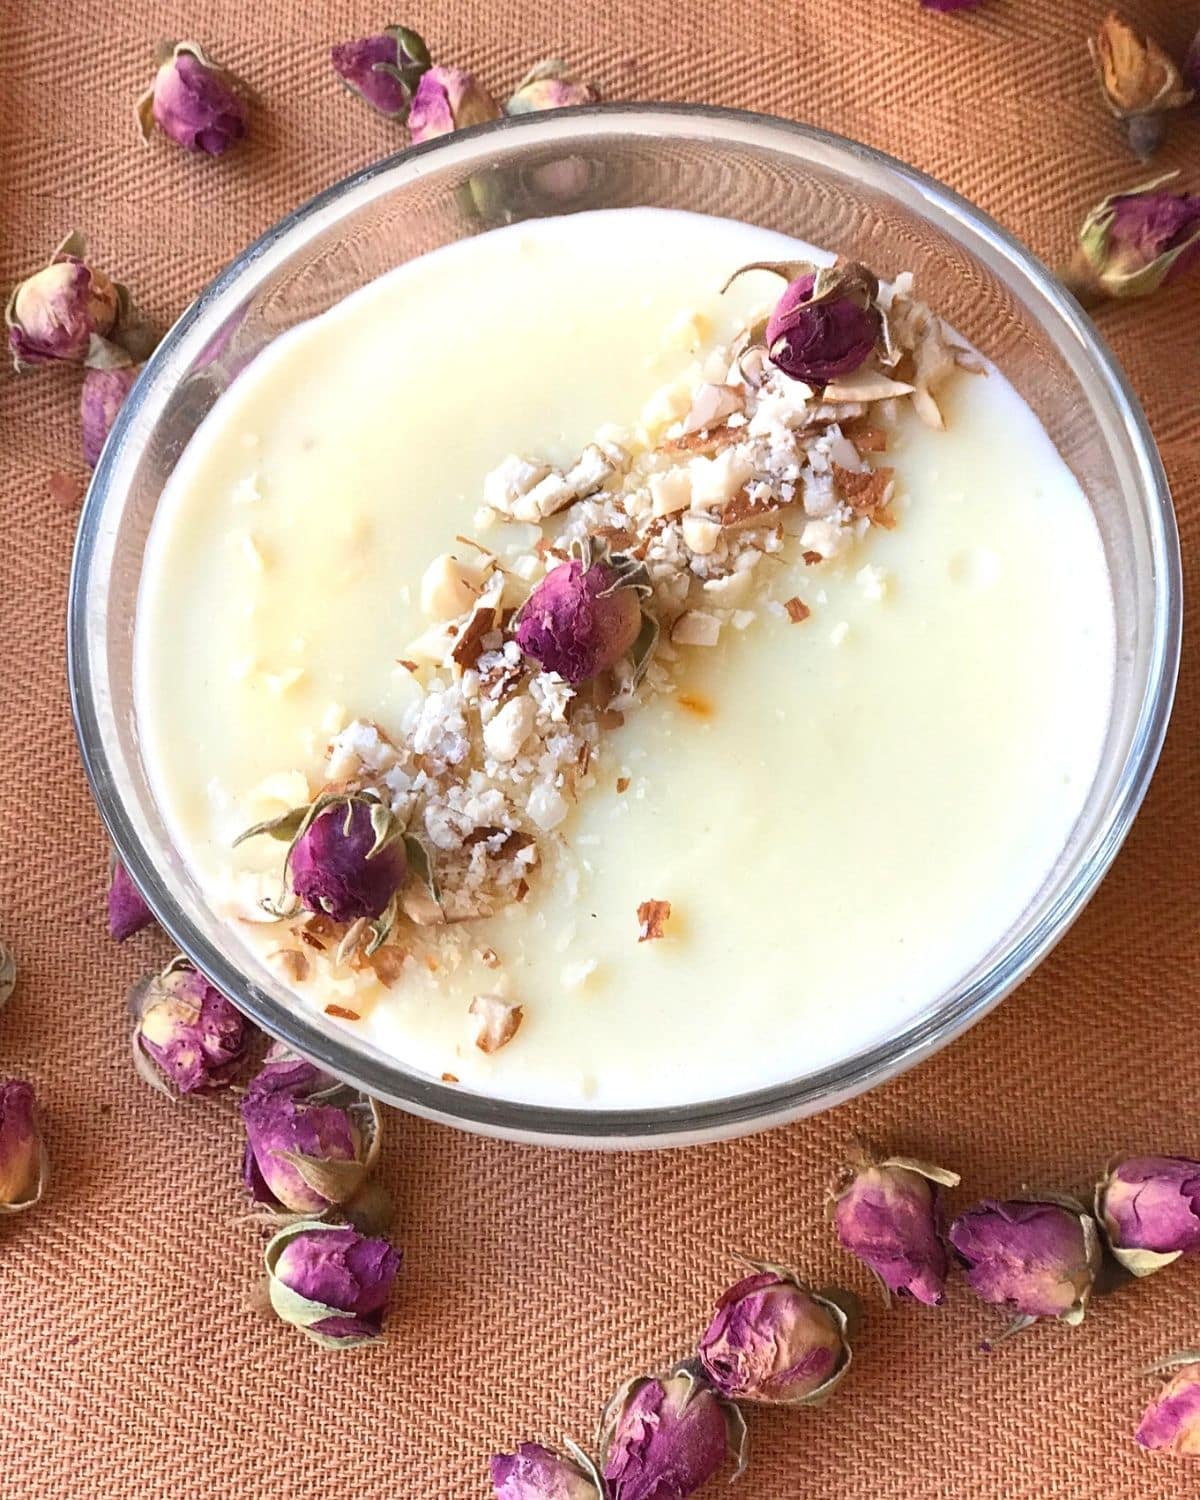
854 201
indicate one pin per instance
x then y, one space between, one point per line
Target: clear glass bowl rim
737 1114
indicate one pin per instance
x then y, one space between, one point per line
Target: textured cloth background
131 1364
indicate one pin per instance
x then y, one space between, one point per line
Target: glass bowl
857 202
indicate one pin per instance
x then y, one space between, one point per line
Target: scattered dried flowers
62 312
383 70
664 1436
194 102
127 910
448 99
1134 242
886 1213
101 398
187 1037
537 1473
24 1166
550 85
1148 1209
1139 81
331 1282
1171 1422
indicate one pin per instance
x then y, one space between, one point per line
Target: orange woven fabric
133 1367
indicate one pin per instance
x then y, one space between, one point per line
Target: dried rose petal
448 99
195 103
579 622
772 1339
537 1473
62 311
663 1437
100 400
127 911
886 1214
23 1163
1139 81
383 70
187 1028
1038 1258
550 85
1149 1210
1133 243
331 1282
1171 1422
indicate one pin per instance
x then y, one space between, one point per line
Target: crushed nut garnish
495 1022
653 917
797 610
449 1077
622 783
342 1013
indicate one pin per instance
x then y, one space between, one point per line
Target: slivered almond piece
742 511
867 492
494 1022
865 385
711 406
696 628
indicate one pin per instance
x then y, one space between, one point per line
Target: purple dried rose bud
331 1282
448 99
886 1213
63 311
1148 1208
1132 243
127 911
537 1473
1038 1258
195 103
309 1143
663 1437
579 622
550 85
383 70
100 400
23 1162
826 324
773 1339
1171 1423
187 1037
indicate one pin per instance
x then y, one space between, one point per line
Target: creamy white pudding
845 811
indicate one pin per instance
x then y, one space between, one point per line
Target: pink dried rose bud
23 1162
663 1437
127 911
579 621
773 1339
331 1282
1171 1423
816 334
550 85
310 1141
195 103
383 70
537 1473
100 400
187 1037
448 99
1036 1257
886 1213
63 312
1133 243
1139 81
1148 1208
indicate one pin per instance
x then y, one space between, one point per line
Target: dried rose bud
127 911
187 1037
1038 1258
310 1142
773 1339
886 1213
579 622
1148 1208
663 1437
1140 83
100 400
448 99
23 1162
816 336
1171 1423
63 311
195 103
331 1282
383 70
1132 243
537 1473
550 85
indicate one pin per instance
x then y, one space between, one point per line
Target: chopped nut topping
866 492
449 1077
653 917
797 610
342 1013
622 783
495 1022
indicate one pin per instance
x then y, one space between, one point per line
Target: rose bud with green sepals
448 99
1133 243
664 1437
61 312
187 1037
1171 1423
579 621
537 1473
383 70
886 1213
331 1282
1036 1257
550 85
773 1339
23 1162
1148 1208
101 398
195 103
